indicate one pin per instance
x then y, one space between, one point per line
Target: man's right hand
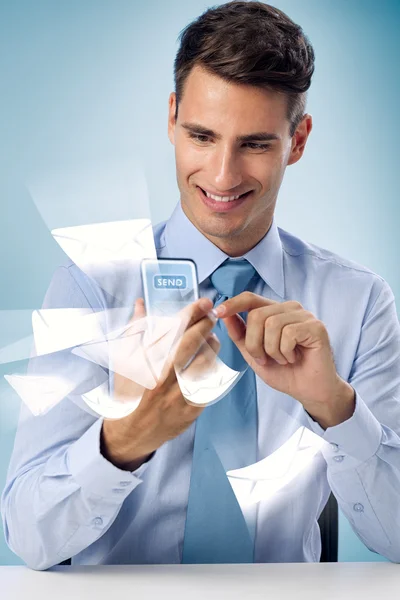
163 412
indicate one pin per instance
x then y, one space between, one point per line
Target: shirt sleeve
61 494
363 453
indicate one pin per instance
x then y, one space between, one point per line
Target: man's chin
219 232
213 226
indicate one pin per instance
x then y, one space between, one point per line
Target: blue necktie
225 438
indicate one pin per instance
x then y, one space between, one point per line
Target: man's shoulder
323 259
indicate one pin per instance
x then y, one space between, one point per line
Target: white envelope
210 388
99 401
40 392
265 478
104 251
56 329
133 351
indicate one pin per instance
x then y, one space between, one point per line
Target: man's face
219 151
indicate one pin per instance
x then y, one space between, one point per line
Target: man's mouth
224 199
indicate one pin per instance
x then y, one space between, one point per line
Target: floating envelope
124 356
57 329
54 330
105 251
103 242
134 352
263 479
203 391
40 392
100 402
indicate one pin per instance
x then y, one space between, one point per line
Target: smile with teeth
222 198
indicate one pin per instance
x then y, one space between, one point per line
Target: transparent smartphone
169 284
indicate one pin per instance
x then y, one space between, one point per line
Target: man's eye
202 139
255 146
199 137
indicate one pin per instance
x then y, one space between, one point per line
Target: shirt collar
184 240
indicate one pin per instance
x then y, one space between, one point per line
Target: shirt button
124 483
334 447
118 491
358 507
338 458
98 522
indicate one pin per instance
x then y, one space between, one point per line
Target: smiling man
316 336
233 143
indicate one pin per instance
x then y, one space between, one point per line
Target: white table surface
310 581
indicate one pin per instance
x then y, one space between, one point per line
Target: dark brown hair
249 43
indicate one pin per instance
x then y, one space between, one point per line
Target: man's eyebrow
260 136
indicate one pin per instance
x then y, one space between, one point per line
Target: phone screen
169 284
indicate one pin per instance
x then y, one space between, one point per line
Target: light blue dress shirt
64 499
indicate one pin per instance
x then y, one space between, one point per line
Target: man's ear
171 117
299 139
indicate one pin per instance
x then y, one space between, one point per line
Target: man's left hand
289 349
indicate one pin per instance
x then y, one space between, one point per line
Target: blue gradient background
88 81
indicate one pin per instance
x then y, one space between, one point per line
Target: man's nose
226 171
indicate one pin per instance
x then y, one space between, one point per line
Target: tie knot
232 277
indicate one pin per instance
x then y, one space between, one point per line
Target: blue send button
169 282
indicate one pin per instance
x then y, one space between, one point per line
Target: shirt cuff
359 437
95 474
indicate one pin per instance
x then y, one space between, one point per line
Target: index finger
242 303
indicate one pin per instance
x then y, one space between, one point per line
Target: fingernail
205 303
220 310
212 315
261 361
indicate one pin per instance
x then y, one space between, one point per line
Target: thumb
236 328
